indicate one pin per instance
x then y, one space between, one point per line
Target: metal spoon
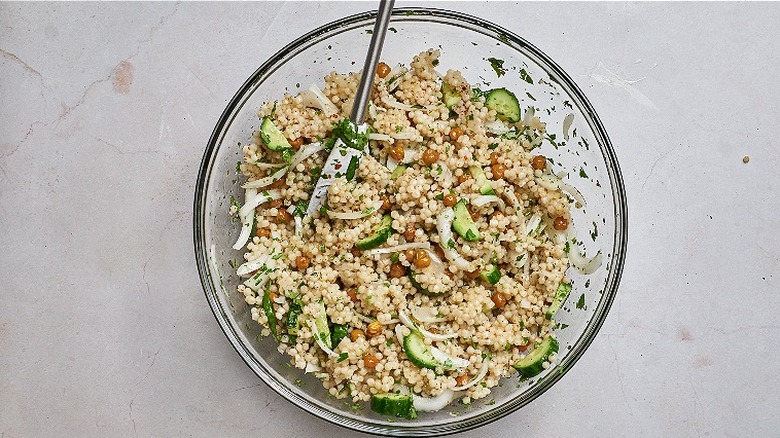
344 159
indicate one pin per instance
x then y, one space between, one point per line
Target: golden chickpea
374 328
283 217
386 205
494 158
409 233
499 299
278 184
356 334
462 379
430 156
498 171
370 361
263 232
276 203
463 178
472 275
355 251
455 133
397 152
410 253
422 259
397 270
538 162
450 200
352 294
302 262
560 223
297 143
382 70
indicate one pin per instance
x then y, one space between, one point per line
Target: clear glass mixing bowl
466 42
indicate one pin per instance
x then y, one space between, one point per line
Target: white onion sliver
305 153
425 404
268 180
443 357
251 266
399 334
393 103
481 200
444 227
533 224
426 314
529 116
432 336
298 226
379 137
481 375
317 339
574 193
401 247
261 165
391 163
566 125
584 265
246 230
311 367
315 98
355 214
253 201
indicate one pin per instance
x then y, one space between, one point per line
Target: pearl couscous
432 269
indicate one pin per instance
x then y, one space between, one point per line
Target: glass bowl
466 43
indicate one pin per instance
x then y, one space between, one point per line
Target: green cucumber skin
491 274
417 351
395 405
272 136
505 104
380 235
564 289
268 309
531 365
292 320
481 179
463 224
338 332
449 96
321 324
398 171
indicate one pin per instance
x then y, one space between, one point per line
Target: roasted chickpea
463 178
382 70
283 217
297 143
409 233
455 133
494 157
370 361
355 251
472 275
538 162
262 232
499 299
356 334
450 200
278 184
409 254
498 171
397 152
276 203
397 270
439 252
560 223
352 294
462 379
374 328
422 259
386 205
302 262
430 156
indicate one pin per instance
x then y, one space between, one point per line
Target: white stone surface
104 113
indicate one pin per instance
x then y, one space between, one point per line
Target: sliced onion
425 404
257 281
399 334
311 368
585 265
391 102
315 98
259 198
401 247
481 375
566 125
406 135
261 165
249 267
246 229
355 214
444 227
529 116
317 339
395 76
298 226
268 180
442 357
379 137
532 227
412 326
548 181
426 314
497 127
479 201
410 154
574 193
305 153
391 163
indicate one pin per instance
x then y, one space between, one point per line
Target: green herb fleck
342 357
351 168
498 66
582 173
525 76
581 302
394 257
298 382
595 232
392 29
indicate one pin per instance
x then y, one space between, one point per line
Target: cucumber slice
398 171
292 320
482 182
491 274
531 365
321 323
564 289
338 333
505 104
272 136
394 405
449 95
463 224
420 287
379 236
419 353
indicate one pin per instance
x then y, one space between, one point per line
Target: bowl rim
620 235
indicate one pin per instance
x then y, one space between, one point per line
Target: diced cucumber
481 179
293 320
505 104
398 171
491 274
418 352
379 236
321 323
531 365
419 287
394 405
272 136
338 333
564 289
463 224
449 95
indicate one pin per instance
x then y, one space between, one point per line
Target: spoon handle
363 93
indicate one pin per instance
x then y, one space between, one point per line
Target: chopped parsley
348 133
582 173
342 357
581 302
498 66
525 76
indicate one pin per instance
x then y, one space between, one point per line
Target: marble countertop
106 108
